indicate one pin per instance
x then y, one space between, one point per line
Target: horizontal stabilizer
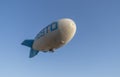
28 43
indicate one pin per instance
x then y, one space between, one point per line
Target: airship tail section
29 43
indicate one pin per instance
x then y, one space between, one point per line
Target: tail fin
33 53
29 43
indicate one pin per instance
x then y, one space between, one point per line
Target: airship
52 37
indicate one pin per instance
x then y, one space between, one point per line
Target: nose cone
67 28
68 24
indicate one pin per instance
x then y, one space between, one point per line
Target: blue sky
93 52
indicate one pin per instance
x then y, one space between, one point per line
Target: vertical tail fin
29 43
33 53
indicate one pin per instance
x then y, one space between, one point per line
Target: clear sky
93 52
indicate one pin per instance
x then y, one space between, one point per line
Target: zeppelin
52 37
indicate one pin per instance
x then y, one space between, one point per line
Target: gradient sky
93 52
